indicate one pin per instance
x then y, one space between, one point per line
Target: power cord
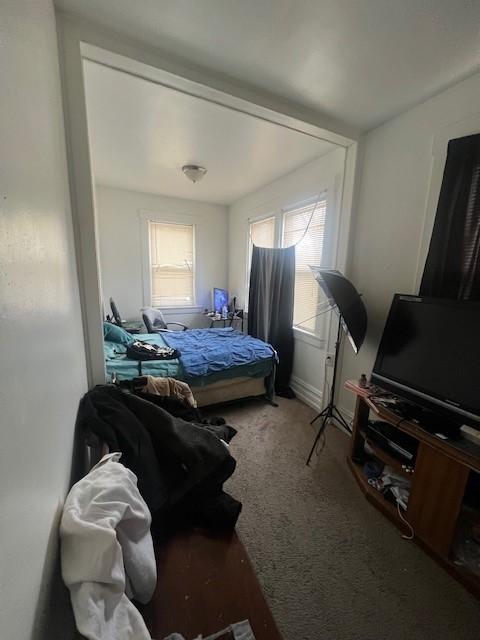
321 313
405 521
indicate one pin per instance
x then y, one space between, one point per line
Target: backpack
140 350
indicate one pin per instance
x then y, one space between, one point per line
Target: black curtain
270 307
452 269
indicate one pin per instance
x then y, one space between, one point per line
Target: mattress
207 356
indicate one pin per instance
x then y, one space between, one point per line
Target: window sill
309 338
183 311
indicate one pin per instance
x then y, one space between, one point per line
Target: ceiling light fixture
194 172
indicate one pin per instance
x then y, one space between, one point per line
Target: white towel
107 551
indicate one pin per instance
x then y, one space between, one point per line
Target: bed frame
236 389
232 389
229 390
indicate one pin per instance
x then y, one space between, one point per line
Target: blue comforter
207 351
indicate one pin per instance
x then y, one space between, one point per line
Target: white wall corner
347 414
307 393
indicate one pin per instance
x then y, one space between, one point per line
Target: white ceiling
142 133
360 61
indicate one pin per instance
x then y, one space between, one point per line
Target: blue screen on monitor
220 299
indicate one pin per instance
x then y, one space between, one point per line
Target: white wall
119 218
398 192
42 364
323 173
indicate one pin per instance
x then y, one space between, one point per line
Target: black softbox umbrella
345 298
352 318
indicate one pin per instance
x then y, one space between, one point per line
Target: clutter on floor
390 483
237 631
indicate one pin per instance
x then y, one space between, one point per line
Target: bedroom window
262 234
309 250
171 264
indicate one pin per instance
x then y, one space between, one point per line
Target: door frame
80 40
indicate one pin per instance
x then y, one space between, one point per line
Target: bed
219 364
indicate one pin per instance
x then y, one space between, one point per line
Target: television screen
430 354
220 299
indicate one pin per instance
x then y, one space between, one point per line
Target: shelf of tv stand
375 497
386 457
441 471
464 451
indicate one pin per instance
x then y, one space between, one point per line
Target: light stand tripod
330 412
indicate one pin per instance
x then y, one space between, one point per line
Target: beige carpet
332 567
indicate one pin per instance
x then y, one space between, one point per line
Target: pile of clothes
180 459
167 462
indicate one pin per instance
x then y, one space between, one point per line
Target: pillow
114 333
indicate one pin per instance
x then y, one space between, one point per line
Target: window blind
309 250
171 264
262 233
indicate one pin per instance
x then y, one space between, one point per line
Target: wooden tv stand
438 478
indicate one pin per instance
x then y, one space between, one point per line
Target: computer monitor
220 299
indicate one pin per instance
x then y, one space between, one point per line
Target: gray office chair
155 322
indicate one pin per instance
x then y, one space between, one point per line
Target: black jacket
181 466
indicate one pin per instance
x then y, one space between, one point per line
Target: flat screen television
430 355
220 299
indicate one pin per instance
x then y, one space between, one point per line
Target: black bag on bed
139 350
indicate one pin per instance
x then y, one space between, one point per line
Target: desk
238 315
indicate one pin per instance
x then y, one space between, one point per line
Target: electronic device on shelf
403 409
429 355
387 437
